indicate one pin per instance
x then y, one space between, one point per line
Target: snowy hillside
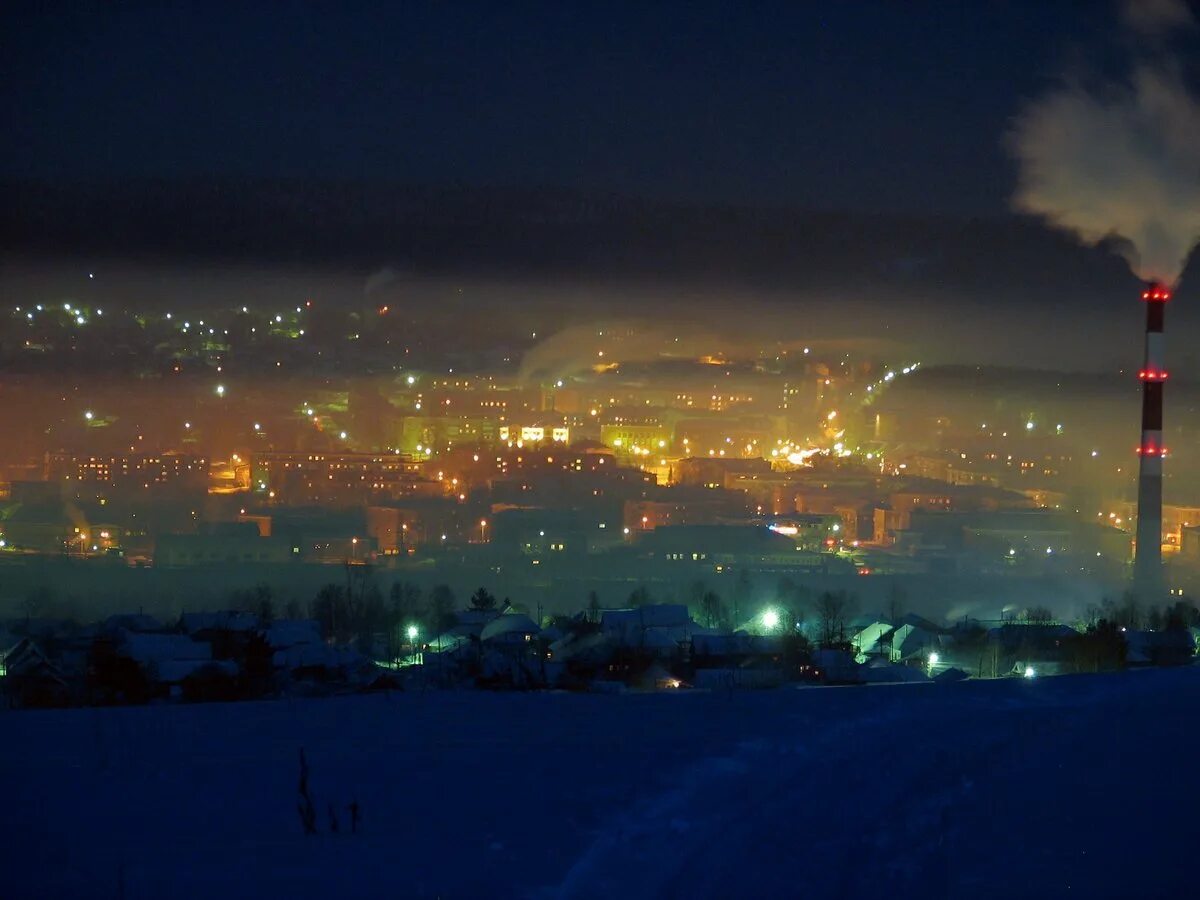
1071 786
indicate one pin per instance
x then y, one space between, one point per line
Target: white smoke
1157 17
1122 160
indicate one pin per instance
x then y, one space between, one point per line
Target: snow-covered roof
509 625
579 646
707 643
304 656
911 640
223 620
660 615
660 625
26 657
868 638
472 621
921 622
173 671
284 633
161 648
132 622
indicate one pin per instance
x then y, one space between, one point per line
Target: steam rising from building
1120 159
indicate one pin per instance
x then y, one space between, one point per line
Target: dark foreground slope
1076 786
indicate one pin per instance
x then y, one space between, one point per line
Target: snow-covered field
1077 786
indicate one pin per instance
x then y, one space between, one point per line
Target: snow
509 626
1054 787
223 620
284 633
163 648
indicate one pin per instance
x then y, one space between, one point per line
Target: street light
482 531
770 619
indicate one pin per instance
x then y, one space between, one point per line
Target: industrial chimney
1147 562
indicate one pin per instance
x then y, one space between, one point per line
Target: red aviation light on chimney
1156 293
1151 450
1152 375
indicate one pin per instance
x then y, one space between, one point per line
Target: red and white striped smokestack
1147 563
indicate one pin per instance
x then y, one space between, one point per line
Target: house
835 667
724 650
167 659
284 633
228 631
199 623
131 622
912 642
297 649
510 655
471 622
1020 648
873 639
31 679
1173 647
509 629
582 651
321 662
661 629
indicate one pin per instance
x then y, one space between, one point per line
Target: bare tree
832 609
1038 615
897 600
640 597
441 606
712 609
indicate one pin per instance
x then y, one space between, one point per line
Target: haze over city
585 389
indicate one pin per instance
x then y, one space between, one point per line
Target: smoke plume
1123 159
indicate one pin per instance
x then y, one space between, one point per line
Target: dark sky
860 105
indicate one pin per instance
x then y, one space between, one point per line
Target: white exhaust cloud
1123 159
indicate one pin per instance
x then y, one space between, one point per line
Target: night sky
862 106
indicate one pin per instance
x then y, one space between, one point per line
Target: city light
412 632
88 415
220 390
770 619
